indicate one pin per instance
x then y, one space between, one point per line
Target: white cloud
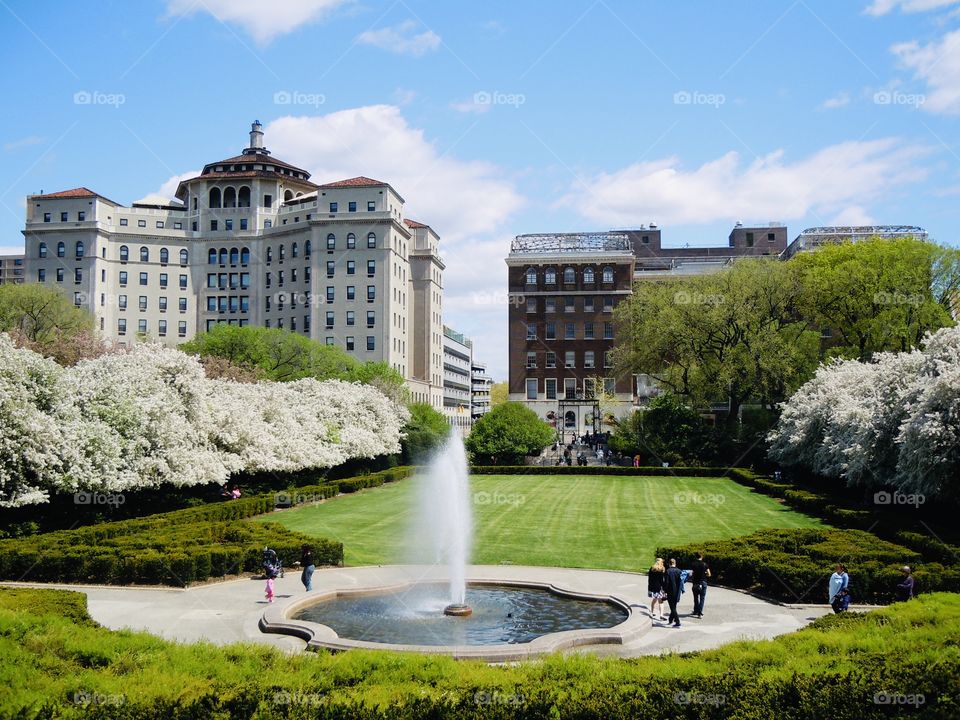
938 64
471 106
263 21
168 190
853 215
11 250
400 40
837 101
22 143
769 187
882 7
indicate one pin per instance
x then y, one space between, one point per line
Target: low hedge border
178 547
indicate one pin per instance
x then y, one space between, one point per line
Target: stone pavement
230 611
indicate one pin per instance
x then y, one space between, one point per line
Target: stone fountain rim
279 618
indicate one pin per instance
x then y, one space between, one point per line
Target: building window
351 207
351 241
330 318
183 282
371 205
280 278
244 225
184 256
550 304
531 360
569 303
142 326
531 276
228 224
608 274
570 359
371 240
333 207
183 306
351 318
608 331
79 250
588 359
143 278
211 303
351 267
121 326
349 342
61 249
77 299
178 226
47 217
42 250
159 224
609 386
164 256
351 292
141 223
162 328
608 304
551 360
551 331
607 359
588 275
569 390
569 276
371 293
531 388
551 388
588 303
531 305
122 302
64 216
331 267
371 318
569 331
588 331
59 274
213 224
749 239
124 253
371 268
163 280
244 256
371 343
330 293
123 222
123 278
282 253
531 331
182 328
550 276
41 275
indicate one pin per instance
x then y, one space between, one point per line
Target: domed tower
256 140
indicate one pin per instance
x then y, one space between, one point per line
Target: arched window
588 275
234 256
351 241
371 240
61 249
243 198
124 253
230 197
144 254
282 251
184 256
79 249
223 256
331 241
550 276
608 274
164 256
307 248
214 201
569 275
244 256
42 250
288 195
531 276
294 250
570 419
212 256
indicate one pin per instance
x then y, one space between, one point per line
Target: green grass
552 520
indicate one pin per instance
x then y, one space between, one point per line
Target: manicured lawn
573 521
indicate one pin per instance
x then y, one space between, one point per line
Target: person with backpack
840 589
906 588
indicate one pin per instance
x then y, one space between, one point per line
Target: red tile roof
74 193
359 181
253 159
415 224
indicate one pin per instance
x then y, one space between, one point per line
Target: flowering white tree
150 416
895 421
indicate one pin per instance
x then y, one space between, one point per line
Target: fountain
444 518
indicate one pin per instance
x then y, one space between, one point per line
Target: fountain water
445 519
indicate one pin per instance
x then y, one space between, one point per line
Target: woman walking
655 587
307 563
839 589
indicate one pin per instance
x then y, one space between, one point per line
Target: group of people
667 583
273 568
839 587
230 494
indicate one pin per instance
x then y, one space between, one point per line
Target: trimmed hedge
795 565
178 547
598 470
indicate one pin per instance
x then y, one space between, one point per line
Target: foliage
68 667
732 335
667 430
877 295
894 422
499 393
40 314
150 416
508 433
425 431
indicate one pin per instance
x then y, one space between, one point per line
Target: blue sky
499 118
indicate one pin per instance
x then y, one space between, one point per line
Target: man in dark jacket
906 588
673 582
700 574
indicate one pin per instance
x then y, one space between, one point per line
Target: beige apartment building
252 240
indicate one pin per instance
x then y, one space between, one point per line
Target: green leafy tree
667 430
384 378
877 295
40 314
506 434
499 393
425 432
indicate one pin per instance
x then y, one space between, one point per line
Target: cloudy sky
499 118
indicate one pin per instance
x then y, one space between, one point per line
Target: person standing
308 564
906 588
656 578
701 571
674 583
839 589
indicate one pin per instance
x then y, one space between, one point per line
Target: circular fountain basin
511 620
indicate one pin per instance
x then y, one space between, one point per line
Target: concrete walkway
230 611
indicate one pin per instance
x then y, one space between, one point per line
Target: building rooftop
80 192
359 181
553 243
